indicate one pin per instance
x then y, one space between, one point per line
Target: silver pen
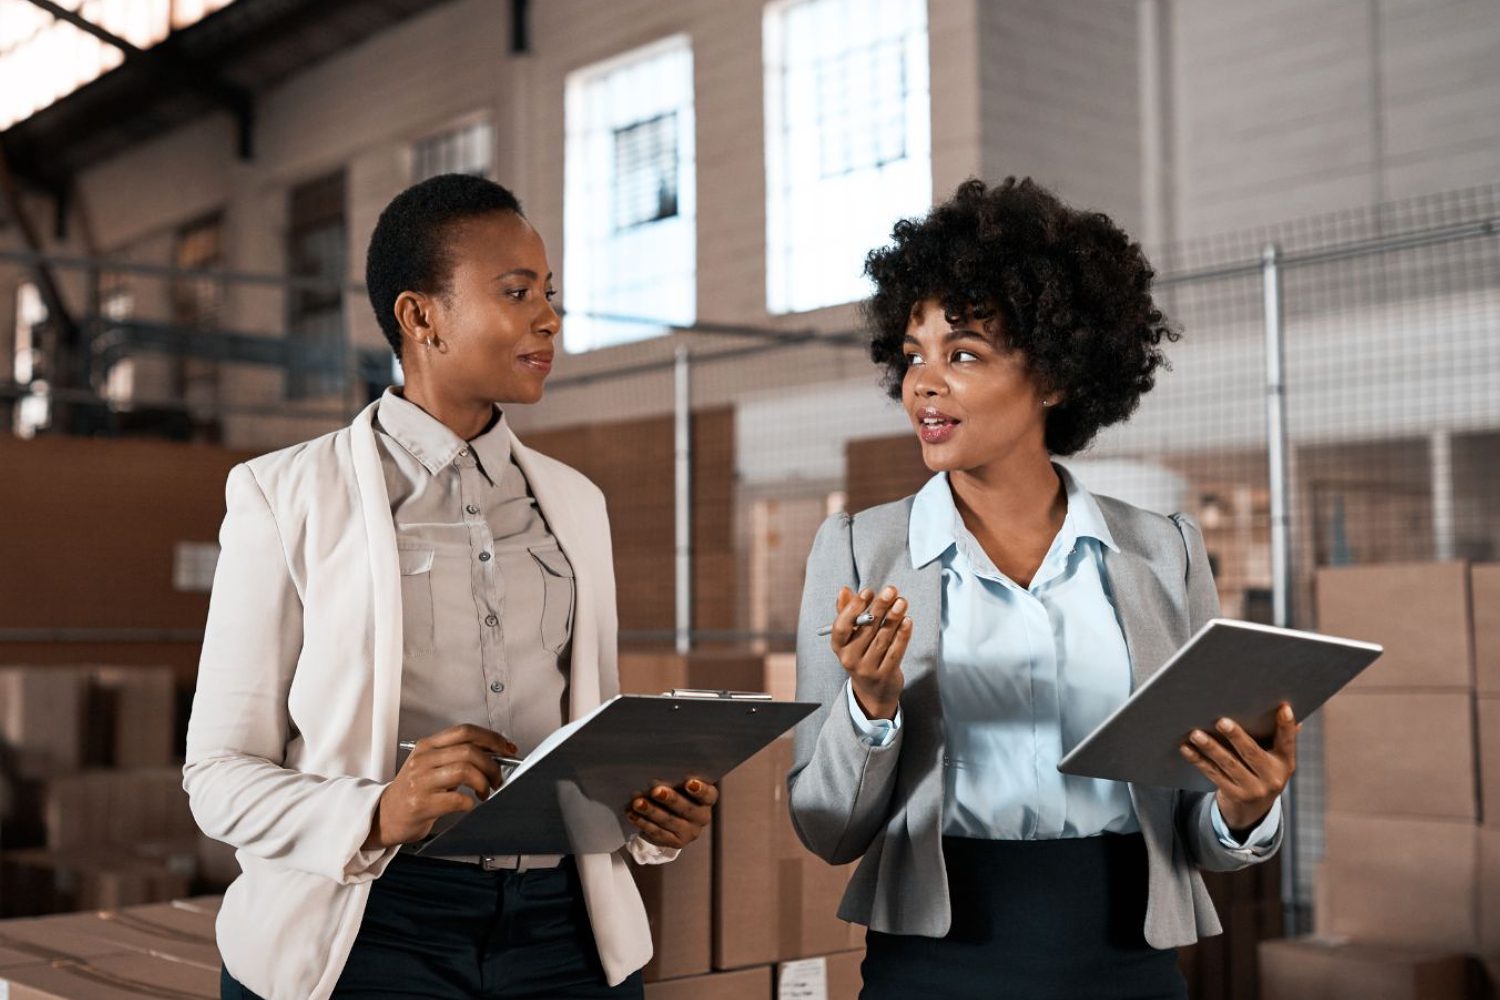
864 619
500 759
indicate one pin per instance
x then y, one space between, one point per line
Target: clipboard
569 796
1229 668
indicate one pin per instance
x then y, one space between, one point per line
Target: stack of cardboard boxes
769 908
1401 901
92 813
160 950
745 913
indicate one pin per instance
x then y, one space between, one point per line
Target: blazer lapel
385 589
556 506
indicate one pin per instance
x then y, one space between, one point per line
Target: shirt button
472 509
491 621
484 557
497 687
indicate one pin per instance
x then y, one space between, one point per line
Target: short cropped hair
1071 291
410 250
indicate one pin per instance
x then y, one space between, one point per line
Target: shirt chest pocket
415 561
557 596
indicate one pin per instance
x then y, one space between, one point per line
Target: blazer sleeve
840 785
239 791
1195 809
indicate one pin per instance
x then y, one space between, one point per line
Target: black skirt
1033 920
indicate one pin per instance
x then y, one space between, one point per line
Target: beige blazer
293 730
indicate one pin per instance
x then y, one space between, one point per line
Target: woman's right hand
429 782
872 653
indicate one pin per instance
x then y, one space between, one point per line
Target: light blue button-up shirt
1026 674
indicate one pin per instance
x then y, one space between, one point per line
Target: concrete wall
1289 108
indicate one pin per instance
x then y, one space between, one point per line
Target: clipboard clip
708 693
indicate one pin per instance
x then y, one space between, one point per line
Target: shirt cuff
1259 839
876 732
643 852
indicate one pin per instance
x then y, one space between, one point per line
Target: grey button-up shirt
486 592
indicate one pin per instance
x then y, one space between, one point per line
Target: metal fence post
1281 547
682 413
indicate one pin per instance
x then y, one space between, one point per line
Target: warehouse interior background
187 188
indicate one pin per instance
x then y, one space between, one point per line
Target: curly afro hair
409 249
1071 291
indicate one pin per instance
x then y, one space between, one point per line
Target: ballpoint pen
864 619
500 759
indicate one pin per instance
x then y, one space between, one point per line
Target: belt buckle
503 862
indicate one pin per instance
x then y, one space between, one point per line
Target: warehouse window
848 141
465 148
629 234
317 248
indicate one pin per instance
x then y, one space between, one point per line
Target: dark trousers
1033 920
438 929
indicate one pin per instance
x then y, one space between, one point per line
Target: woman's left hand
1249 778
674 817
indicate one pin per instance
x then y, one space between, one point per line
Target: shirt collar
1083 511
935 521
431 443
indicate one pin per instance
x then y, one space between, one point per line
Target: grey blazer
884 805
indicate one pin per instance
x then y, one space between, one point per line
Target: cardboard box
117 977
159 929
658 671
781 676
217 864
679 906
132 718
1488 905
53 939
184 934
41 720
39 881
1488 714
773 900
129 807
1334 969
745 984
1401 752
1418 611
1484 581
1400 881
827 977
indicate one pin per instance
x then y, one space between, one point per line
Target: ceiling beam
167 61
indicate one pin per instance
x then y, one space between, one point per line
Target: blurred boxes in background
679 903
658 672
1400 880
41 720
128 976
773 900
1333 969
745 984
1418 611
1408 752
1410 771
1485 581
58 719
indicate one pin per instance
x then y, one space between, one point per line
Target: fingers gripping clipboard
570 795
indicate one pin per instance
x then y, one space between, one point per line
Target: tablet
1229 668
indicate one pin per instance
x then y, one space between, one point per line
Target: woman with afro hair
1011 611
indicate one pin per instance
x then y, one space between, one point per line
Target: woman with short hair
419 577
